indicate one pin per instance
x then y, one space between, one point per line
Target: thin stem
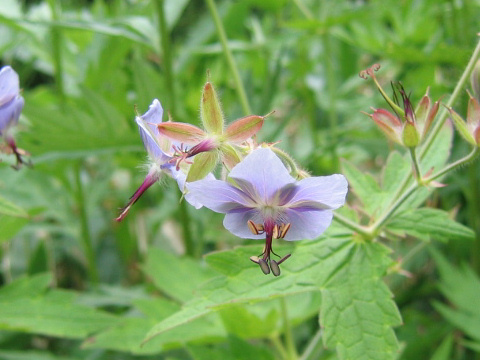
57 51
416 165
303 9
381 221
454 165
352 225
290 343
416 249
313 345
85 231
456 92
230 60
279 347
167 54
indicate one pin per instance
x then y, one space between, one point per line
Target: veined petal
10 112
218 196
236 223
264 171
9 85
321 192
147 126
308 224
181 177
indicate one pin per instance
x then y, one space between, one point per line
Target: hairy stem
230 60
352 225
416 165
454 165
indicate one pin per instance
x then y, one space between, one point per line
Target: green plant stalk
289 342
230 60
84 228
303 9
279 347
416 165
456 92
374 229
57 52
454 165
352 225
312 346
441 120
170 86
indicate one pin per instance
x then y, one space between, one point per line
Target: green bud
461 126
410 136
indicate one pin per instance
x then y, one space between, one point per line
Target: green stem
454 165
313 346
230 60
456 92
303 9
352 225
416 165
167 54
85 231
381 221
57 51
290 343
279 347
433 133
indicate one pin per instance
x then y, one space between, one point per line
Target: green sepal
230 156
203 163
461 126
410 136
211 111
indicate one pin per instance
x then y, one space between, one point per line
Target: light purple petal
180 177
9 85
307 224
322 192
264 171
218 195
10 112
236 223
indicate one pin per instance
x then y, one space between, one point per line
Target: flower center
272 231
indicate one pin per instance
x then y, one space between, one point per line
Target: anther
283 230
256 229
264 266
275 268
275 232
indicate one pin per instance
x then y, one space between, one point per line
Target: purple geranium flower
262 200
11 105
158 148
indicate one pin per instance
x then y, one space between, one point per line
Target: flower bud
410 136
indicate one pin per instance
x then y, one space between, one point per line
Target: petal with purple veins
9 85
236 223
10 112
308 224
322 192
264 171
218 196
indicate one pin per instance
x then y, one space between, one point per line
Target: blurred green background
85 65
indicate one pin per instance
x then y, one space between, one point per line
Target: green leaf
188 274
128 334
428 223
460 285
365 188
444 351
10 209
357 310
25 306
235 348
344 272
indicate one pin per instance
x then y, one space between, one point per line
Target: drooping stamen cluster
272 231
183 153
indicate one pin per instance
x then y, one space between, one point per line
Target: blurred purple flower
262 200
11 105
159 149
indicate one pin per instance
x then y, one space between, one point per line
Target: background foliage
77 285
